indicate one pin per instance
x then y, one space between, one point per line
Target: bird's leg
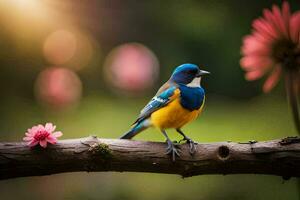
189 140
172 148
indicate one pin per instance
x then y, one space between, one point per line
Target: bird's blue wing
164 96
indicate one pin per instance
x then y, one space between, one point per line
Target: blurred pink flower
58 88
42 135
131 68
273 47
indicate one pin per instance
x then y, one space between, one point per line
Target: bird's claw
173 150
192 146
191 143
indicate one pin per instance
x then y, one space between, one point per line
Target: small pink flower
42 135
273 47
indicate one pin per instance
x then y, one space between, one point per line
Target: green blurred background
58 64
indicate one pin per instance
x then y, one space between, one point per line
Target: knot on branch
223 152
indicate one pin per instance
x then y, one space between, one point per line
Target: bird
179 101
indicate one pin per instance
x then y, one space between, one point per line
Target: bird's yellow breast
173 115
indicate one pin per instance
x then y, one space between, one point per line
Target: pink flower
273 47
42 135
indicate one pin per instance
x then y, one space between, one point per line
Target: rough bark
91 154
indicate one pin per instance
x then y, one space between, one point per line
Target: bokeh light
60 47
84 52
58 88
73 49
131 67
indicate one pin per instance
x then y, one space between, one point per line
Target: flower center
41 135
286 53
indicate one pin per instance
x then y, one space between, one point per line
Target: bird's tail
137 128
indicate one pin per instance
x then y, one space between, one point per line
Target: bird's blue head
187 74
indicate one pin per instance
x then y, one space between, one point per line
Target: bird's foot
191 143
173 150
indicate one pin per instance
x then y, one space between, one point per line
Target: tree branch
277 157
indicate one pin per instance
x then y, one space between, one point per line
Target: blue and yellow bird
179 101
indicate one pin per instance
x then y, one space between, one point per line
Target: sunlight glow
24 13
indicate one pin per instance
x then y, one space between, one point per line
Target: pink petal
43 143
29 130
256 63
27 138
272 80
29 134
33 143
51 139
295 27
39 128
57 134
32 130
49 127
265 27
254 49
254 75
286 11
262 38
279 21
268 15
252 45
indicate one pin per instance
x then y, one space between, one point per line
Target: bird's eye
190 72
193 71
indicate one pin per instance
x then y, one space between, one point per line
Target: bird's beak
202 72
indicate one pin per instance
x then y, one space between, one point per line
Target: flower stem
292 85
